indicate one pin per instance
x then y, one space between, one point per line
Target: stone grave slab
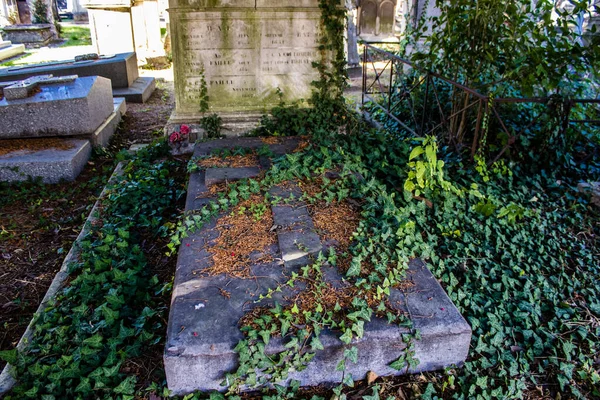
203 324
120 105
65 108
219 175
139 91
8 50
104 133
51 165
286 145
121 69
295 229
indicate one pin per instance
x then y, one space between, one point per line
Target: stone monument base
234 123
32 35
51 165
8 50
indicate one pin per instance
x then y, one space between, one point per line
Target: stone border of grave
7 381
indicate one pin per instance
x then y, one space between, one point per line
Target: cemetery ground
515 249
517 254
40 222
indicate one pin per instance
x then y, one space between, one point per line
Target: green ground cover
75 35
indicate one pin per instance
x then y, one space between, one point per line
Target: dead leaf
371 377
401 395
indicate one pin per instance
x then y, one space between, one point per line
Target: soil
28 145
39 223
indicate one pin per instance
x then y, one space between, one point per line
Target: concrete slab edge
7 380
105 132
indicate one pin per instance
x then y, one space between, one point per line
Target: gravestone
121 69
376 19
203 328
75 113
45 106
249 54
7 49
120 26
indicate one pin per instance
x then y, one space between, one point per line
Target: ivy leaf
399 364
94 341
316 344
346 337
354 269
126 387
293 342
10 356
351 354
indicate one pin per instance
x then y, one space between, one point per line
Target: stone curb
7 380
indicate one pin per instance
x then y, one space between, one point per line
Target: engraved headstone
246 55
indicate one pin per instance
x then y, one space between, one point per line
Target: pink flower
174 137
184 129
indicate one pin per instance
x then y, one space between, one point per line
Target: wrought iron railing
415 102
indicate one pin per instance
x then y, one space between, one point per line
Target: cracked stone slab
203 330
295 229
215 176
203 327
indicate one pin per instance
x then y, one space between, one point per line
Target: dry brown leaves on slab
271 140
30 145
241 235
239 161
336 222
304 143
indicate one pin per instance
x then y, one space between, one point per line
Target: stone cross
22 89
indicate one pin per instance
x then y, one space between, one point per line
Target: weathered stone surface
287 145
122 26
105 132
140 90
593 188
120 105
73 108
295 229
219 175
10 50
121 69
249 54
27 87
203 323
30 35
51 165
199 356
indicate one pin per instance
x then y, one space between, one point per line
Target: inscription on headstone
249 54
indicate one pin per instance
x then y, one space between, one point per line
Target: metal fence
462 114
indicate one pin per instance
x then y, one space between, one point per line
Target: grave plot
262 292
49 125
